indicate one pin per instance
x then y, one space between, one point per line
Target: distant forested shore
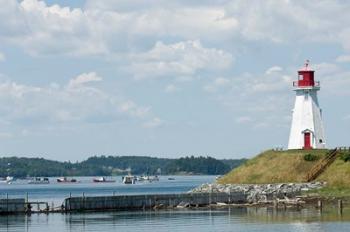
116 165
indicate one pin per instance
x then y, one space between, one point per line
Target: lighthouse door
307 140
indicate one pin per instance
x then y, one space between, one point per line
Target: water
234 219
56 192
228 219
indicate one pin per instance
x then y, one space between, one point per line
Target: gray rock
260 192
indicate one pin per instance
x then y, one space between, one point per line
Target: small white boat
7 180
39 180
148 178
129 179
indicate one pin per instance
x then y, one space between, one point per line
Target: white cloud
273 69
179 59
118 27
43 30
6 135
83 79
216 84
307 21
264 99
171 88
73 103
325 68
176 18
2 57
221 81
243 119
155 122
343 59
133 109
335 79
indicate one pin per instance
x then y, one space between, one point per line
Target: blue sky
166 78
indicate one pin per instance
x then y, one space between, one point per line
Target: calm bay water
229 219
56 192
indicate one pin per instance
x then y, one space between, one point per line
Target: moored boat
39 180
66 180
7 180
102 180
129 179
148 178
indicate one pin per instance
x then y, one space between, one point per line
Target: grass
331 192
337 175
291 166
274 167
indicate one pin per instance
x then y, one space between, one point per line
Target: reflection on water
229 219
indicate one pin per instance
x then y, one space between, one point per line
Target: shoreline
205 196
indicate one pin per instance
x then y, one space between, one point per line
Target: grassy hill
283 166
338 174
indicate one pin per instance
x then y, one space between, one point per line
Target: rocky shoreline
259 193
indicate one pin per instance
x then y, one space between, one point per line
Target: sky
166 78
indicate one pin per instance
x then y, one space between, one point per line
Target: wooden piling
149 201
319 205
275 204
340 206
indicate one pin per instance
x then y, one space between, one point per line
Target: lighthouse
307 128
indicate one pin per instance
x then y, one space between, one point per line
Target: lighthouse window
301 77
320 140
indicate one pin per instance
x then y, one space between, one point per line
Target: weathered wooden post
83 206
210 193
340 206
319 205
7 202
275 204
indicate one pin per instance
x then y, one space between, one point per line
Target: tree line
116 165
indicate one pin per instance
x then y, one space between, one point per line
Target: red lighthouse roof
306 77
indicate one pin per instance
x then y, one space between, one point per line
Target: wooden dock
120 202
12 206
150 201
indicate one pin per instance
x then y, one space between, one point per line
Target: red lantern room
306 78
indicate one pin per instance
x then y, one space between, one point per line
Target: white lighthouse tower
307 128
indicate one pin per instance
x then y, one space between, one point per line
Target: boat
7 180
39 180
66 180
171 178
148 178
129 179
102 180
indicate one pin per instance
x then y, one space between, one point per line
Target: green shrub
345 156
310 157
